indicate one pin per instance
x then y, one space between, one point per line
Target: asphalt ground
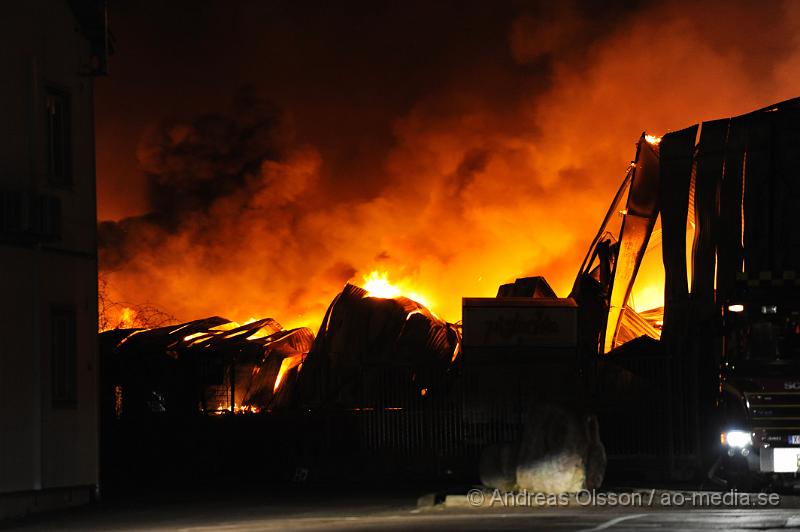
381 509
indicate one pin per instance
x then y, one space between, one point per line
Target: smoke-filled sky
258 155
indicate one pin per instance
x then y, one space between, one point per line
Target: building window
64 360
59 145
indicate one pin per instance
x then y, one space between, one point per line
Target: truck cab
759 402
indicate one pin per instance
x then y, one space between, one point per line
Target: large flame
377 284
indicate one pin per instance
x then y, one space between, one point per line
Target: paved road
336 511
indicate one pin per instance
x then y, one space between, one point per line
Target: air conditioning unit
27 216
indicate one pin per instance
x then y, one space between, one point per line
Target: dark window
59 145
64 360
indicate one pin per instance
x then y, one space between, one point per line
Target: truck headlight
736 438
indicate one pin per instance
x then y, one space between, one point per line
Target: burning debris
214 384
365 329
219 366
211 365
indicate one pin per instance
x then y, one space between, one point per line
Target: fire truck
686 330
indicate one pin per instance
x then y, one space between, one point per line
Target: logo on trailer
794 385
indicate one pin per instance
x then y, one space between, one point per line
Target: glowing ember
377 285
193 336
240 409
456 351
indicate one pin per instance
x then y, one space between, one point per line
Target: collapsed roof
214 365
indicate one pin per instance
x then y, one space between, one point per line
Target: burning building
386 377
378 358
490 159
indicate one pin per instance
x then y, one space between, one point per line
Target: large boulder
498 466
560 452
596 459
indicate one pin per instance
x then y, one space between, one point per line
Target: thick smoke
501 171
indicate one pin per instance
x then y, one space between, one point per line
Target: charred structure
388 388
672 382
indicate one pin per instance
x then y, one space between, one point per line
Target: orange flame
377 285
120 318
287 364
241 409
229 326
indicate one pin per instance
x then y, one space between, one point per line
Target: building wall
48 282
